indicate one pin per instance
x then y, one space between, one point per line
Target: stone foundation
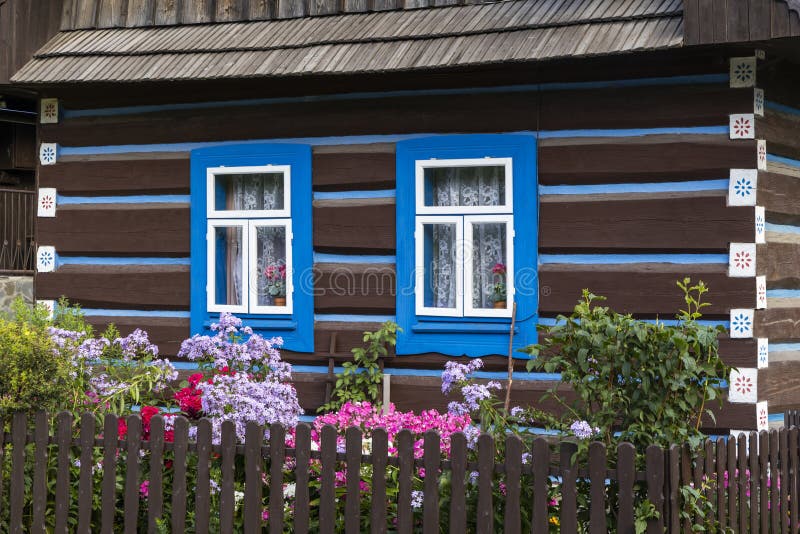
12 287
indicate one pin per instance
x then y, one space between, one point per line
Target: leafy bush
649 381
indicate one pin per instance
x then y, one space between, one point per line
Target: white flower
238 496
366 446
289 491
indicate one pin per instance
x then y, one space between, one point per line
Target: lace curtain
466 186
254 192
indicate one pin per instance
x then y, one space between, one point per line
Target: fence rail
17 241
66 475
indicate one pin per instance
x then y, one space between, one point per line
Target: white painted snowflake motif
742 127
47 202
742 259
741 323
763 418
762 293
759 224
48 154
50 110
46 258
762 353
759 101
743 187
762 152
743 72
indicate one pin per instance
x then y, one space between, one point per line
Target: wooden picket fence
759 493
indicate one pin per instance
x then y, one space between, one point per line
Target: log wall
633 196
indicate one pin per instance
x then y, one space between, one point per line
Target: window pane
228 265
489 277
440 288
465 186
271 265
249 192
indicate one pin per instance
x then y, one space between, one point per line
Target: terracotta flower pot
500 304
280 301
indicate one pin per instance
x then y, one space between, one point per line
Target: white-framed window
249 240
464 237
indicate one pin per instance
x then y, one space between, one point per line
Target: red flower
122 428
147 414
499 268
195 379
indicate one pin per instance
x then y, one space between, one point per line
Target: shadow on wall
12 287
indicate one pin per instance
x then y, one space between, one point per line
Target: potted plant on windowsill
499 295
275 275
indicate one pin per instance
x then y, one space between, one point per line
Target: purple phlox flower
472 432
417 499
583 430
91 349
457 408
526 458
473 477
475 393
136 344
62 337
167 373
516 411
454 373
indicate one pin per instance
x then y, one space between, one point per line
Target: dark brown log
354 167
166 332
355 226
700 222
779 129
779 261
646 158
641 289
163 287
778 324
354 288
117 177
780 384
778 193
119 229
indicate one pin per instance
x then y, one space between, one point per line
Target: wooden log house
390 154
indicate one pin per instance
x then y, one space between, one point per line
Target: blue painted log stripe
785 161
549 321
320 257
782 228
613 259
784 347
367 139
783 293
665 187
781 108
99 312
92 260
124 199
638 82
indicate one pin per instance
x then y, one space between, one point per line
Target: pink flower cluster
275 272
368 417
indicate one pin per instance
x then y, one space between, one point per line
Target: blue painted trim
124 199
92 260
665 187
348 195
785 161
185 366
549 321
782 228
337 318
100 312
775 417
442 334
308 418
784 347
297 329
774 106
487 375
783 293
367 139
612 259
694 130
639 82
321 257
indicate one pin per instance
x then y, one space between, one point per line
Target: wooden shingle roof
365 42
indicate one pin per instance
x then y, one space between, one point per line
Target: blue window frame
251 213
464 203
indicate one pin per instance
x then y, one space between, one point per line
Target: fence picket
458 475
227 504
85 481
133 438
597 477
64 440
108 498
792 483
405 457
783 449
541 483
709 474
277 455
721 465
326 500
253 437
302 439
742 482
686 479
485 519
380 455
674 478
430 504
513 464
352 507
755 479
733 487
654 457
19 431
763 459
774 475
179 448
569 507
39 498
202 498
155 491
626 475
